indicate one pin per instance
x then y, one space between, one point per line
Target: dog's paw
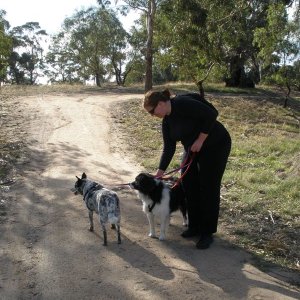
162 238
152 235
91 229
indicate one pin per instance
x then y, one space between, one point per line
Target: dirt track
47 251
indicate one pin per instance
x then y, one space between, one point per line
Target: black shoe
190 233
205 241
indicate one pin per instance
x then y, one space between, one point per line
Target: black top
187 119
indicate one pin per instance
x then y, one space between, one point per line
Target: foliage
61 66
279 46
94 44
241 43
148 9
192 35
27 58
5 46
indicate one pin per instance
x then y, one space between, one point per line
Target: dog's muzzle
75 191
133 185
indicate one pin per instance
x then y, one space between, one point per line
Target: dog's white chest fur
161 209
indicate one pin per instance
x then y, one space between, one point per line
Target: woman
193 123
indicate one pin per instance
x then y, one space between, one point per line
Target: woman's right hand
159 173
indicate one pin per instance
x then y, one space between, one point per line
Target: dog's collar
94 187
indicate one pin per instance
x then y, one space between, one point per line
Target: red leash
185 164
187 168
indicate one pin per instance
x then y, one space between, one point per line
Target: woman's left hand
197 145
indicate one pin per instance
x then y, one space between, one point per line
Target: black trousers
202 185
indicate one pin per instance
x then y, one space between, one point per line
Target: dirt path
47 251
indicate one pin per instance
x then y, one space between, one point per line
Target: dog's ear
77 177
148 183
83 176
151 184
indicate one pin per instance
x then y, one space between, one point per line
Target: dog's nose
132 185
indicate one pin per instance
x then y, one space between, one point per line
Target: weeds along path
47 251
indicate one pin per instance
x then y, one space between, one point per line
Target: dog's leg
150 217
119 233
185 221
91 220
104 238
164 224
104 233
184 216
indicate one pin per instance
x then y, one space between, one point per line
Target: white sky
49 13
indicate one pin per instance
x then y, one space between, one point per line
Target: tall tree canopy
148 9
26 60
192 35
95 43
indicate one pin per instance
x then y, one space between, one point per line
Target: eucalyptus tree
279 45
26 60
193 35
97 42
5 46
61 66
148 8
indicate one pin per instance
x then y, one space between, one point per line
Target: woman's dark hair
153 97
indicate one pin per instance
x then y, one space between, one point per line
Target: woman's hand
159 173
197 145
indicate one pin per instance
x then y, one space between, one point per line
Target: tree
5 46
27 40
148 8
193 35
278 42
96 41
60 64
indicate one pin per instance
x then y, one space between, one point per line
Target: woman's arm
168 148
197 145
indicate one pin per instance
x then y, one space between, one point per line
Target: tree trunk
287 95
149 51
238 77
98 80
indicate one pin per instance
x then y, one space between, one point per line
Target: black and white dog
102 201
159 200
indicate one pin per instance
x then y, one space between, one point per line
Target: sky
49 14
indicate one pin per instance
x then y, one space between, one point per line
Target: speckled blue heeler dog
102 201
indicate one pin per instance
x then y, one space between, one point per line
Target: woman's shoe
205 241
190 233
